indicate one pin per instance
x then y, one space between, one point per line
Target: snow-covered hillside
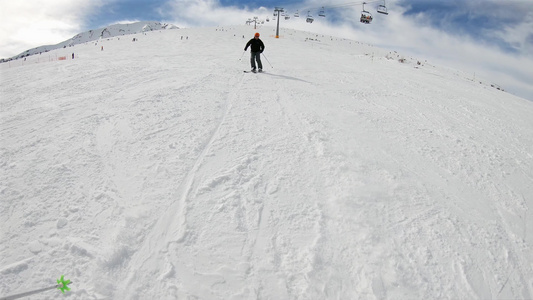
157 169
116 30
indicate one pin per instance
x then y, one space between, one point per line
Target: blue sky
477 19
113 11
493 39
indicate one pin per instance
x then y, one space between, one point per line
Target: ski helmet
257 34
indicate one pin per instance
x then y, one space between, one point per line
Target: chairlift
366 17
287 17
322 13
309 18
267 19
296 15
382 8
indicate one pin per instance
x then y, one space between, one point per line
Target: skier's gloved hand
261 51
244 49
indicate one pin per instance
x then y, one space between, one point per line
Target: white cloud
127 21
32 23
516 35
207 13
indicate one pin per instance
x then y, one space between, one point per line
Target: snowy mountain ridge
100 33
157 169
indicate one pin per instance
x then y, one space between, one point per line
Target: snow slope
157 169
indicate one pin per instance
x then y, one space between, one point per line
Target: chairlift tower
250 21
278 10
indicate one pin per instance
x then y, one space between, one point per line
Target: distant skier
257 47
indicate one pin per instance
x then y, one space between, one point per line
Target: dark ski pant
256 56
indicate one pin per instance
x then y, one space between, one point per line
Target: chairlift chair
322 13
296 15
382 8
366 16
309 18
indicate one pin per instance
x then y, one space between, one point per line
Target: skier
257 47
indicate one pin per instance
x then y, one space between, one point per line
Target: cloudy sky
492 40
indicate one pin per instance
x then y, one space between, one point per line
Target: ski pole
242 55
268 61
29 293
61 285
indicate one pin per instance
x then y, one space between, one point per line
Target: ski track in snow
159 170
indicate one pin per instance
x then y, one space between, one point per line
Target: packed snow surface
157 169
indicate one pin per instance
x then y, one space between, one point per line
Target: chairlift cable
342 5
366 15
